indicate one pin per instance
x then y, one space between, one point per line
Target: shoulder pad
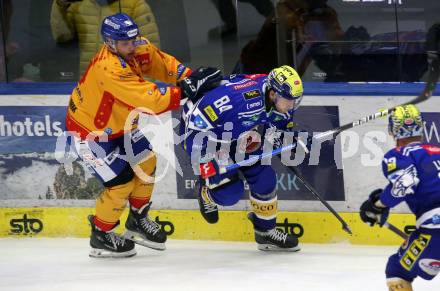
407 150
431 149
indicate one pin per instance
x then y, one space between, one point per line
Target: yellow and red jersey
111 88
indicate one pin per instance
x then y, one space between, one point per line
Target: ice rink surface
63 264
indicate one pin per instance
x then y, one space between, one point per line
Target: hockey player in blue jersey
229 122
413 172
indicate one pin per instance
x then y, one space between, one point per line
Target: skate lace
209 207
150 226
277 235
207 203
115 239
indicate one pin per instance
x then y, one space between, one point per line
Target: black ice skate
275 239
208 208
107 244
144 231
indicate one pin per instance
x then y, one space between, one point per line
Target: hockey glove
209 169
304 140
372 214
199 82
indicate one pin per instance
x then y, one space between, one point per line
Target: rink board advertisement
31 176
29 170
30 129
310 227
326 177
432 127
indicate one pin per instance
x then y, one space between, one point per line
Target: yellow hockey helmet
405 121
286 82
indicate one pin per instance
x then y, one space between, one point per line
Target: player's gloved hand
372 214
199 82
304 140
209 169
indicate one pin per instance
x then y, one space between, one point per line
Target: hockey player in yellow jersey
102 118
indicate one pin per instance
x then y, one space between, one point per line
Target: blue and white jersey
413 172
236 107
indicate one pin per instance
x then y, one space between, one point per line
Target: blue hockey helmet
118 26
405 121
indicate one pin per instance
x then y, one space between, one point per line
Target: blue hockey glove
372 214
199 82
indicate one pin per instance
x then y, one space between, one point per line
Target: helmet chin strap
270 105
111 44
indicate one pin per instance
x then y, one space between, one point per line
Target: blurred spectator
228 15
81 19
32 53
10 47
382 53
433 38
308 22
174 37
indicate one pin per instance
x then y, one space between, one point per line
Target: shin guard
265 212
143 182
110 205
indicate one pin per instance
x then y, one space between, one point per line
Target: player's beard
268 102
129 57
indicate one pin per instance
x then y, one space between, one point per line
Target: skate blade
100 253
140 240
272 248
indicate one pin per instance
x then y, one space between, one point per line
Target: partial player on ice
413 171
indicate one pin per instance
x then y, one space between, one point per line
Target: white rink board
359 179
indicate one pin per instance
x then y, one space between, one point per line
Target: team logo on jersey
200 123
143 58
404 181
163 90
211 113
430 266
255 104
251 94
